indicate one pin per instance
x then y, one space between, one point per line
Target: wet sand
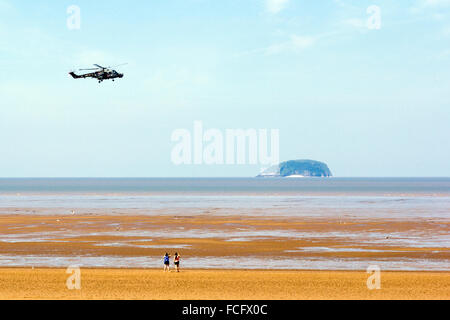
203 239
42 284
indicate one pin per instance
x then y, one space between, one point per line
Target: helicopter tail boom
74 75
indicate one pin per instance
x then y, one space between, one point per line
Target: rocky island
298 168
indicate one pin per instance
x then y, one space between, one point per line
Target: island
298 169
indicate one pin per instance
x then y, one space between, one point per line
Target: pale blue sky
366 102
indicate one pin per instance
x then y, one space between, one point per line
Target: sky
363 86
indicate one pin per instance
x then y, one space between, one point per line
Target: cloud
5 5
87 57
347 5
436 3
295 43
445 54
275 6
176 85
340 3
446 31
302 42
422 5
355 22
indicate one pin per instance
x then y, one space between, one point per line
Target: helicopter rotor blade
122 64
99 67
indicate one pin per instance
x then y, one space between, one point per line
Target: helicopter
100 73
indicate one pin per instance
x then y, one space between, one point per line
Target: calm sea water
350 186
358 197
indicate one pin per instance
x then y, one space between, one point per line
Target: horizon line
225 177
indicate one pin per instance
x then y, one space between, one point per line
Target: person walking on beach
166 262
176 261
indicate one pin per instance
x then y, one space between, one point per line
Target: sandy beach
43 283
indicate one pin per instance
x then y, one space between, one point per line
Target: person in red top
176 261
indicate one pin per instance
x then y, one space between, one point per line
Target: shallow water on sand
422 205
225 263
320 206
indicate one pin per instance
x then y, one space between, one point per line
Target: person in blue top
166 262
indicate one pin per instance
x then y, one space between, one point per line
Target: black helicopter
100 73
